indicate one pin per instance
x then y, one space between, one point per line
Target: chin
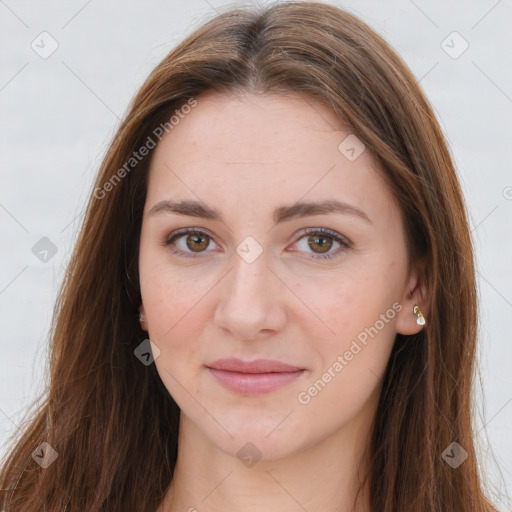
266 437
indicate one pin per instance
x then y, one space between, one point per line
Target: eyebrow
281 214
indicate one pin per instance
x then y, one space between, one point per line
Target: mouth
254 377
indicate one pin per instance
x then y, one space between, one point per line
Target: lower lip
254 383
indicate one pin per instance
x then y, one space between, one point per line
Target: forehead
261 151
254 128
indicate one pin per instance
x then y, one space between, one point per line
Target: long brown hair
110 419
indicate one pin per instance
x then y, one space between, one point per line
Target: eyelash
309 231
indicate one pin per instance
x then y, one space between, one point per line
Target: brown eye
188 242
320 242
197 241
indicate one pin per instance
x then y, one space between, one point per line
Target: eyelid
342 240
178 233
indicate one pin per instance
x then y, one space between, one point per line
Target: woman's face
268 273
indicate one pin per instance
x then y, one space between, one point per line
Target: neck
320 478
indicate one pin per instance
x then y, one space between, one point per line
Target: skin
245 155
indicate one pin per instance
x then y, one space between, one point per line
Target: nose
251 304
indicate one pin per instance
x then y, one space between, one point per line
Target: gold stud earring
417 311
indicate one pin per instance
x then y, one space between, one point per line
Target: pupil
325 245
196 240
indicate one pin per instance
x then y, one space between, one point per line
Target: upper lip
257 366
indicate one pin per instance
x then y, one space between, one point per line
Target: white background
58 115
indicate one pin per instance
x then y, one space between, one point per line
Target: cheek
348 302
358 309
172 309
168 295
175 308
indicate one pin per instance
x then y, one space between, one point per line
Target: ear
143 322
415 294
